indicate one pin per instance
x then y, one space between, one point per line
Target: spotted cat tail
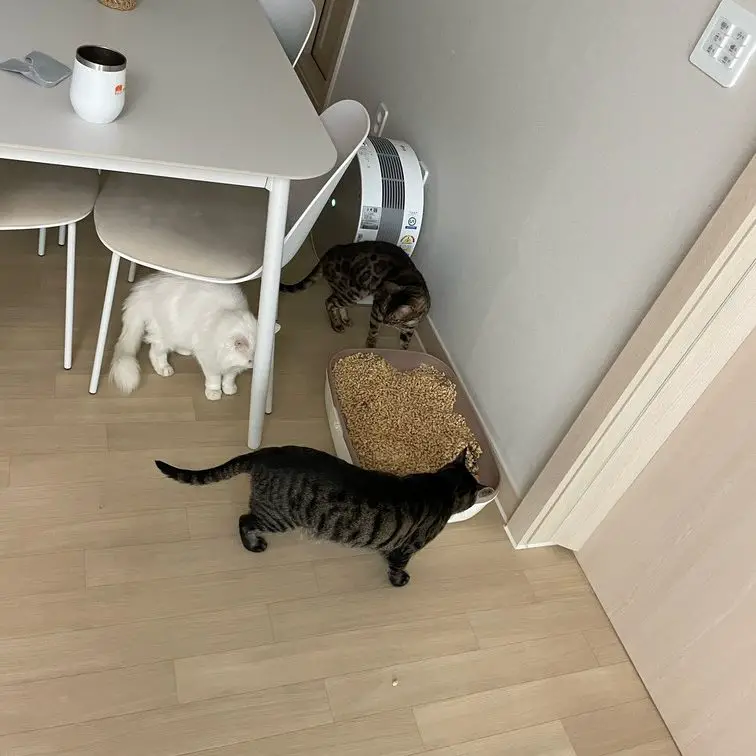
305 283
230 469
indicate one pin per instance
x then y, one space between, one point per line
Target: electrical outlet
379 120
727 43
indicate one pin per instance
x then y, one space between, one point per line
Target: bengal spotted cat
355 271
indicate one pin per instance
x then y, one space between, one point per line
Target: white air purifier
380 197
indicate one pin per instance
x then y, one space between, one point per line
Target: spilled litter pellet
401 421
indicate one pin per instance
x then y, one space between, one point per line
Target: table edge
149 168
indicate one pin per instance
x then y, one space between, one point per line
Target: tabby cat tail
305 283
124 370
230 469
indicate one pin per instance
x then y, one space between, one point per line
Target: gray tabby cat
354 271
298 487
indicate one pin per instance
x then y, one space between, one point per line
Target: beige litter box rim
489 475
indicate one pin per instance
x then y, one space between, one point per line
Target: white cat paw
213 394
229 389
166 371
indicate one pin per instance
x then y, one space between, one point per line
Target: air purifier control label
371 218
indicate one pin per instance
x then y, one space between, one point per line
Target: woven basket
122 5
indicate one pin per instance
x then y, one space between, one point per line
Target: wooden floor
133 623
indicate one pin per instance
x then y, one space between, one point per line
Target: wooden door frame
702 316
340 56
305 65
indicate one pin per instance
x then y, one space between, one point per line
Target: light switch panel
727 43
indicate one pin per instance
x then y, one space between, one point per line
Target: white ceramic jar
98 84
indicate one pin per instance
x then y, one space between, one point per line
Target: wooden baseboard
427 335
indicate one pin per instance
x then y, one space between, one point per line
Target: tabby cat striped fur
298 487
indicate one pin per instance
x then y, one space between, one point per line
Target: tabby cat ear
461 458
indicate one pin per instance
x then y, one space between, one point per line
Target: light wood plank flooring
132 622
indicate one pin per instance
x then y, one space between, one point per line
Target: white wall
575 156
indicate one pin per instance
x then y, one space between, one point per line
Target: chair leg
70 291
42 241
132 272
61 235
102 336
269 398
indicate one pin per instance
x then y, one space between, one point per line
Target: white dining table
210 96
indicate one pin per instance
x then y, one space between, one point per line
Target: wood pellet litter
401 421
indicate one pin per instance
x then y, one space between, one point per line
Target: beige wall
674 565
575 156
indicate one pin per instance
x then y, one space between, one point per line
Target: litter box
488 471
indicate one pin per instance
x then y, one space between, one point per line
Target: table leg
70 284
275 230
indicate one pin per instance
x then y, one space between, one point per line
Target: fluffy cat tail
230 469
124 370
305 283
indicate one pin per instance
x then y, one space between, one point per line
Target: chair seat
35 195
190 227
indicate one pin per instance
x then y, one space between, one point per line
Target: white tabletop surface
210 93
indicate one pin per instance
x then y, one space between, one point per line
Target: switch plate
727 43
379 121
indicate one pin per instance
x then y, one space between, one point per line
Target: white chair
211 232
292 21
43 239
39 196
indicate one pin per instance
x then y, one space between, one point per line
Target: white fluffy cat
173 314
